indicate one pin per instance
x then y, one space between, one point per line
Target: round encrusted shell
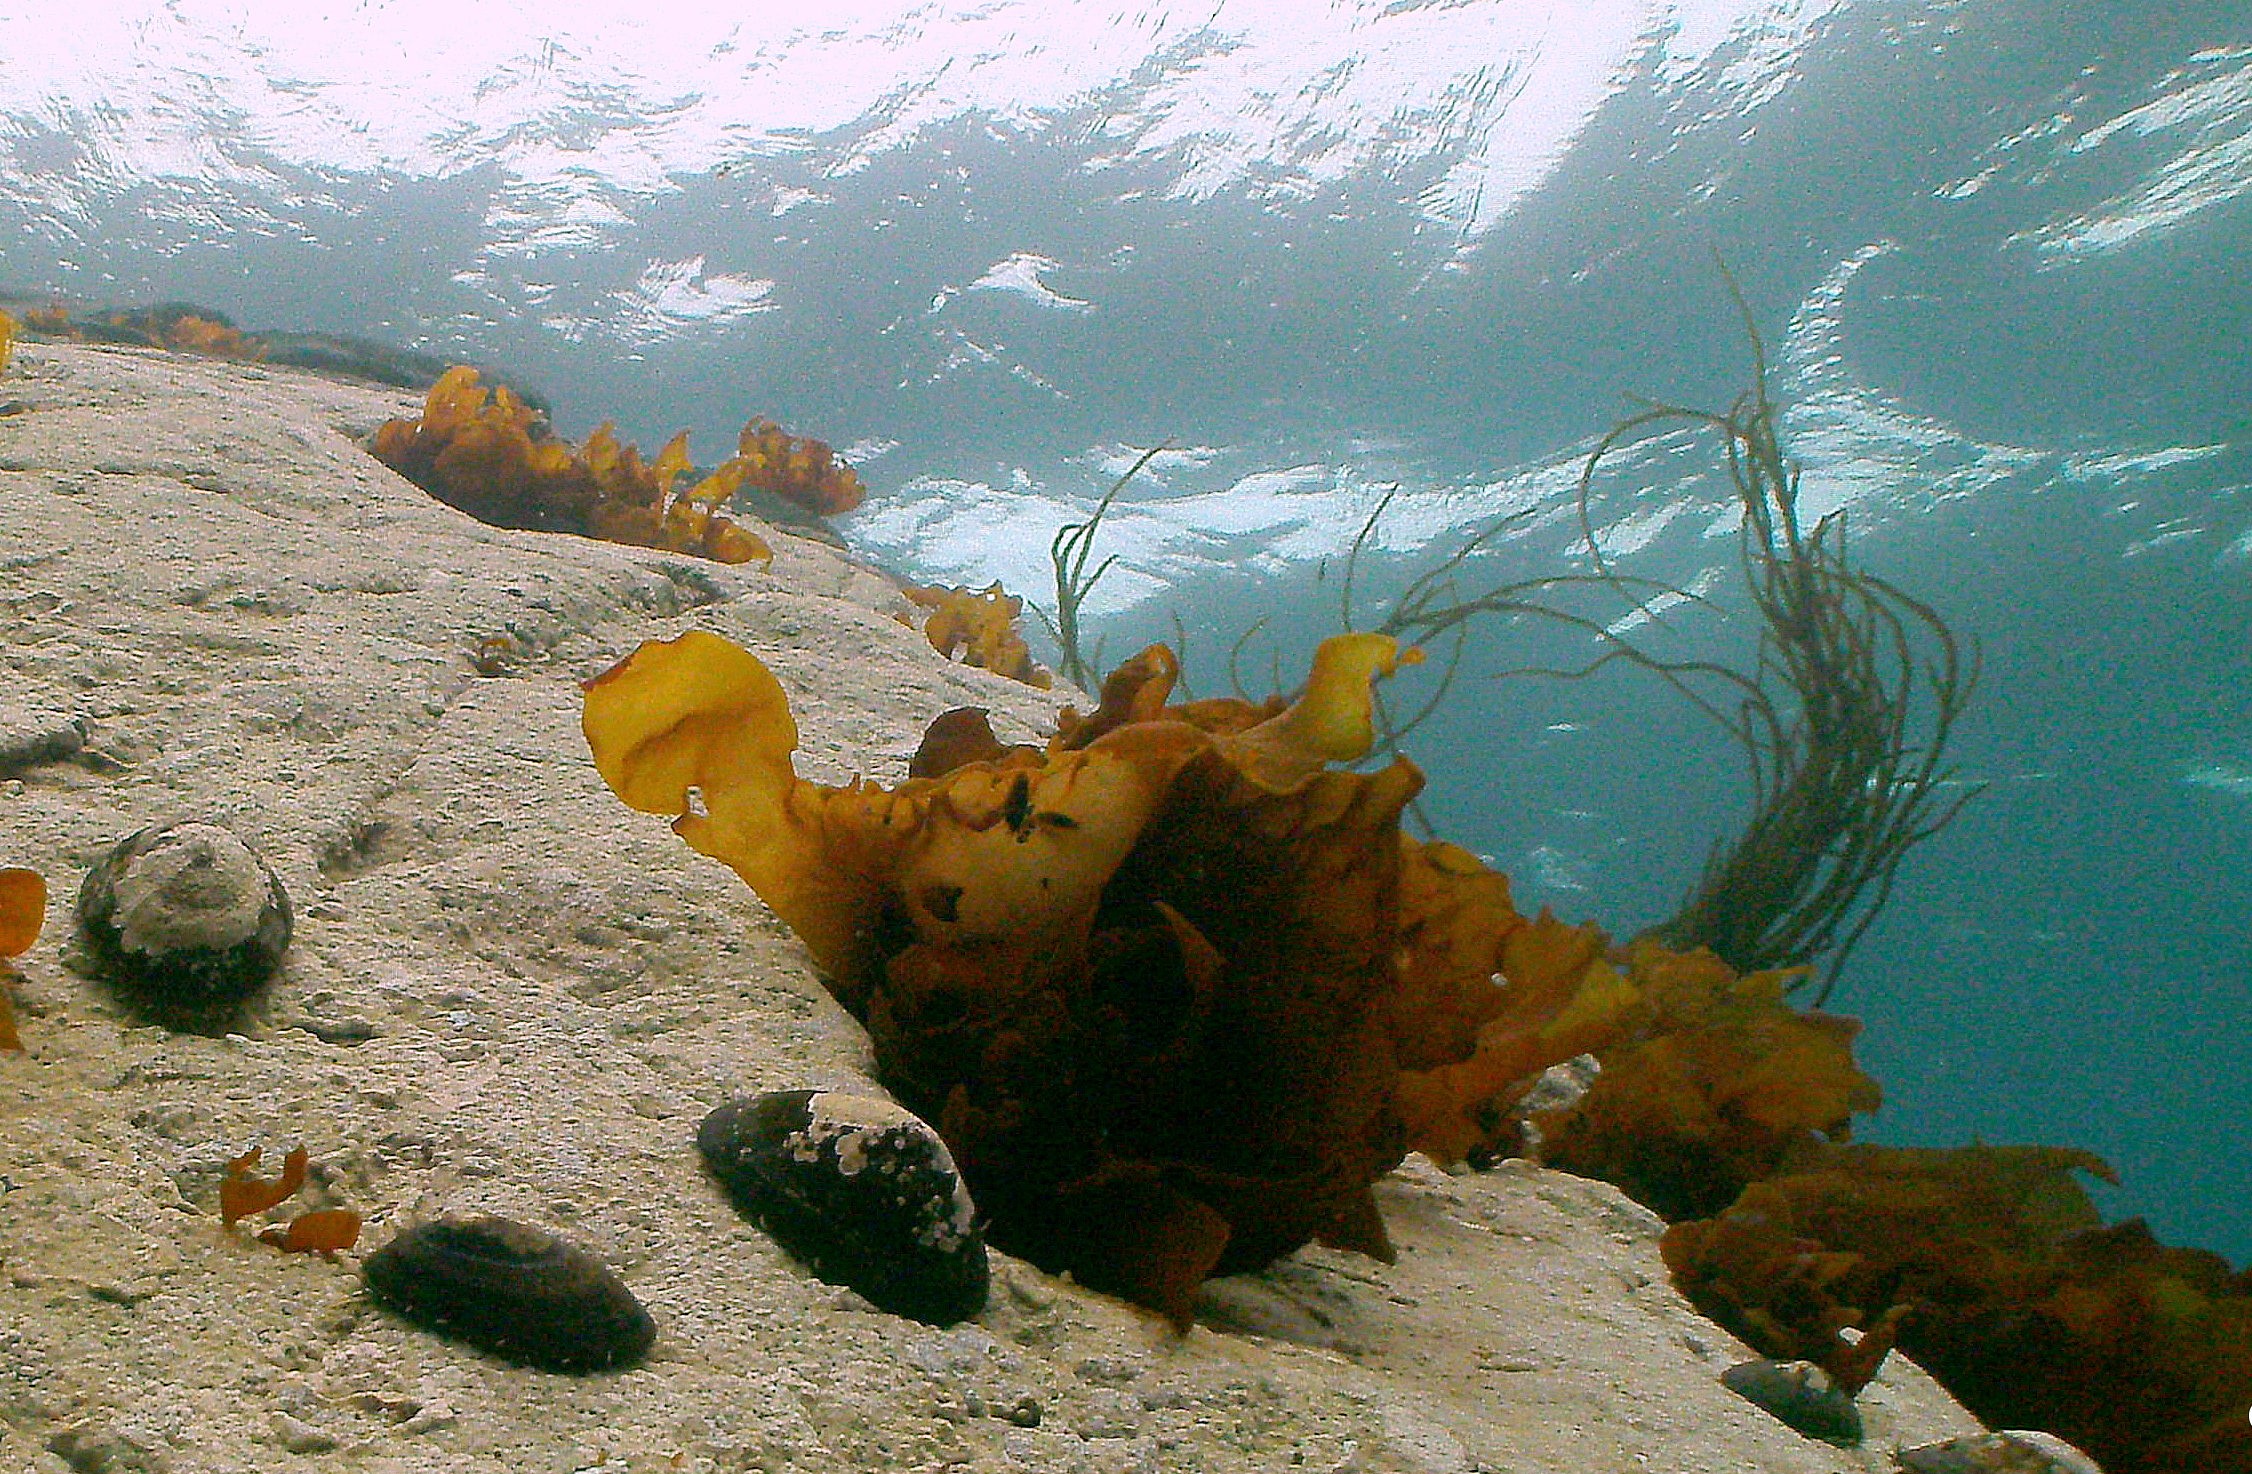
514 1290
860 1190
185 917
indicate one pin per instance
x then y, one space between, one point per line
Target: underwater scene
1527 334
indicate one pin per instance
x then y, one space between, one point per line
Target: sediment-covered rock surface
509 994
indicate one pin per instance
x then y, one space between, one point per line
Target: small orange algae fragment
241 1195
23 908
7 339
322 1231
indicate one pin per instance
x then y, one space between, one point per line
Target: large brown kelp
1175 990
2005 1284
1710 1083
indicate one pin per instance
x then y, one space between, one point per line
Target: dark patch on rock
187 920
860 1190
514 1290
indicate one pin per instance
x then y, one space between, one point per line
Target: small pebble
2014 1451
1802 1395
859 1189
301 1437
514 1290
185 917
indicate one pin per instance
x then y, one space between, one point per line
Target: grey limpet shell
2011 1451
514 1290
860 1190
185 917
1802 1395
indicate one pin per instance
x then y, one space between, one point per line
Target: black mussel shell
2011 1451
514 1290
860 1190
185 918
1802 1395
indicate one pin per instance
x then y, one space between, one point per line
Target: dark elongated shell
185 917
514 1290
1802 1395
860 1190
2012 1451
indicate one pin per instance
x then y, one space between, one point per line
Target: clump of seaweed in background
7 339
1068 552
2003 1283
1842 785
797 468
1713 1082
23 910
182 327
177 327
979 627
491 455
1175 991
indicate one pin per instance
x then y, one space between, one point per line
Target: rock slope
510 994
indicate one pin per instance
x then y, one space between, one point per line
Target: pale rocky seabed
509 993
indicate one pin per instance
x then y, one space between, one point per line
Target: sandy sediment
508 993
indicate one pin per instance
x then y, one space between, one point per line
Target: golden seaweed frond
979 627
1154 985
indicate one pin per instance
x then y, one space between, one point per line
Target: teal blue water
1997 253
